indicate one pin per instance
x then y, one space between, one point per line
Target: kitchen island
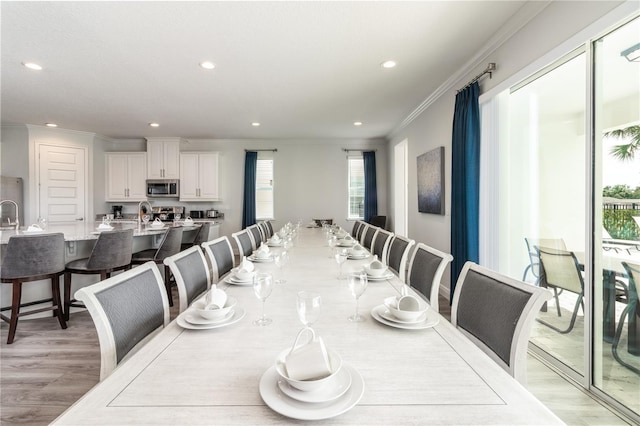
80 238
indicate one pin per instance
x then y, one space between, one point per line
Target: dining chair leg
15 311
55 294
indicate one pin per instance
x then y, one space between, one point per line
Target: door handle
80 218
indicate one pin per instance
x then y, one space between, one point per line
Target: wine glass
280 261
145 219
262 287
308 304
341 257
357 285
332 241
176 217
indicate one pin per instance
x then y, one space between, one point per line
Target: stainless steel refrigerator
11 188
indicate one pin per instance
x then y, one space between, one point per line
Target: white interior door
400 189
62 183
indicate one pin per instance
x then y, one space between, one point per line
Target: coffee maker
117 212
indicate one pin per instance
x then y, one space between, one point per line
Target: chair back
170 244
380 244
256 236
320 221
244 242
397 255
32 256
269 226
379 221
354 230
203 234
426 268
496 313
112 250
561 269
534 261
191 272
127 310
367 236
360 231
265 231
220 255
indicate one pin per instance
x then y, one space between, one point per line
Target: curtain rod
256 150
359 150
489 70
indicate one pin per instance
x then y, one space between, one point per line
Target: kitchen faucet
140 210
17 213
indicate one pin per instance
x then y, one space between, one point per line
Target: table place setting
406 312
309 381
262 254
357 252
275 241
157 224
377 271
242 274
346 241
215 309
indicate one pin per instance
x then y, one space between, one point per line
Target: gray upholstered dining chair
244 242
397 255
269 227
30 258
170 245
380 244
264 228
127 310
356 227
426 268
191 272
111 252
379 221
360 231
368 236
221 258
256 236
496 313
201 236
560 271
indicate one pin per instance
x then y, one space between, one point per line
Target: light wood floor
47 369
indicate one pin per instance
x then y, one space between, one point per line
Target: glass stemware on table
332 241
340 256
145 219
262 287
281 260
357 285
308 305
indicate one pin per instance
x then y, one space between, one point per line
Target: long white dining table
427 376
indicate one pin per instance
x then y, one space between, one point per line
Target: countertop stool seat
201 237
170 245
112 252
33 258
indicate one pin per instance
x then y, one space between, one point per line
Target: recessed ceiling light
357 123
51 124
255 124
207 65
388 64
32 66
154 125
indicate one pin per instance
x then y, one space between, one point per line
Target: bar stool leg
15 311
167 283
67 295
55 294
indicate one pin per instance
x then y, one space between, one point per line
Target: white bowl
392 304
308 385
243 275
376 269
214 314
261 254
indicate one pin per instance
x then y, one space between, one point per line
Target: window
264 186
356 187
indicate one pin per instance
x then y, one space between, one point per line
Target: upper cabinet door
126 175
163 158
188 176
208 171
137 174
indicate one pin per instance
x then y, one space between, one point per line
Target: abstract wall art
431 181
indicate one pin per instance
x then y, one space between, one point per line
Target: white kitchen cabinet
199 176
126 174
163 158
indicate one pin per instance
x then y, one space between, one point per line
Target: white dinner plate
238 314
195 318
388 315
37 231
380 278
431 320
231 279
358 257
289 407
335 388
260 260
279 244
346 244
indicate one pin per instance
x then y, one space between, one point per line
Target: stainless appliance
212 213
196 214
167 213
163 188
11 207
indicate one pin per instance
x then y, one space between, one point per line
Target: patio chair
632 312
534 261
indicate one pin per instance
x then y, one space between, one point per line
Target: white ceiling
302 69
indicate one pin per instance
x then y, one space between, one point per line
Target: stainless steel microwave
163 188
